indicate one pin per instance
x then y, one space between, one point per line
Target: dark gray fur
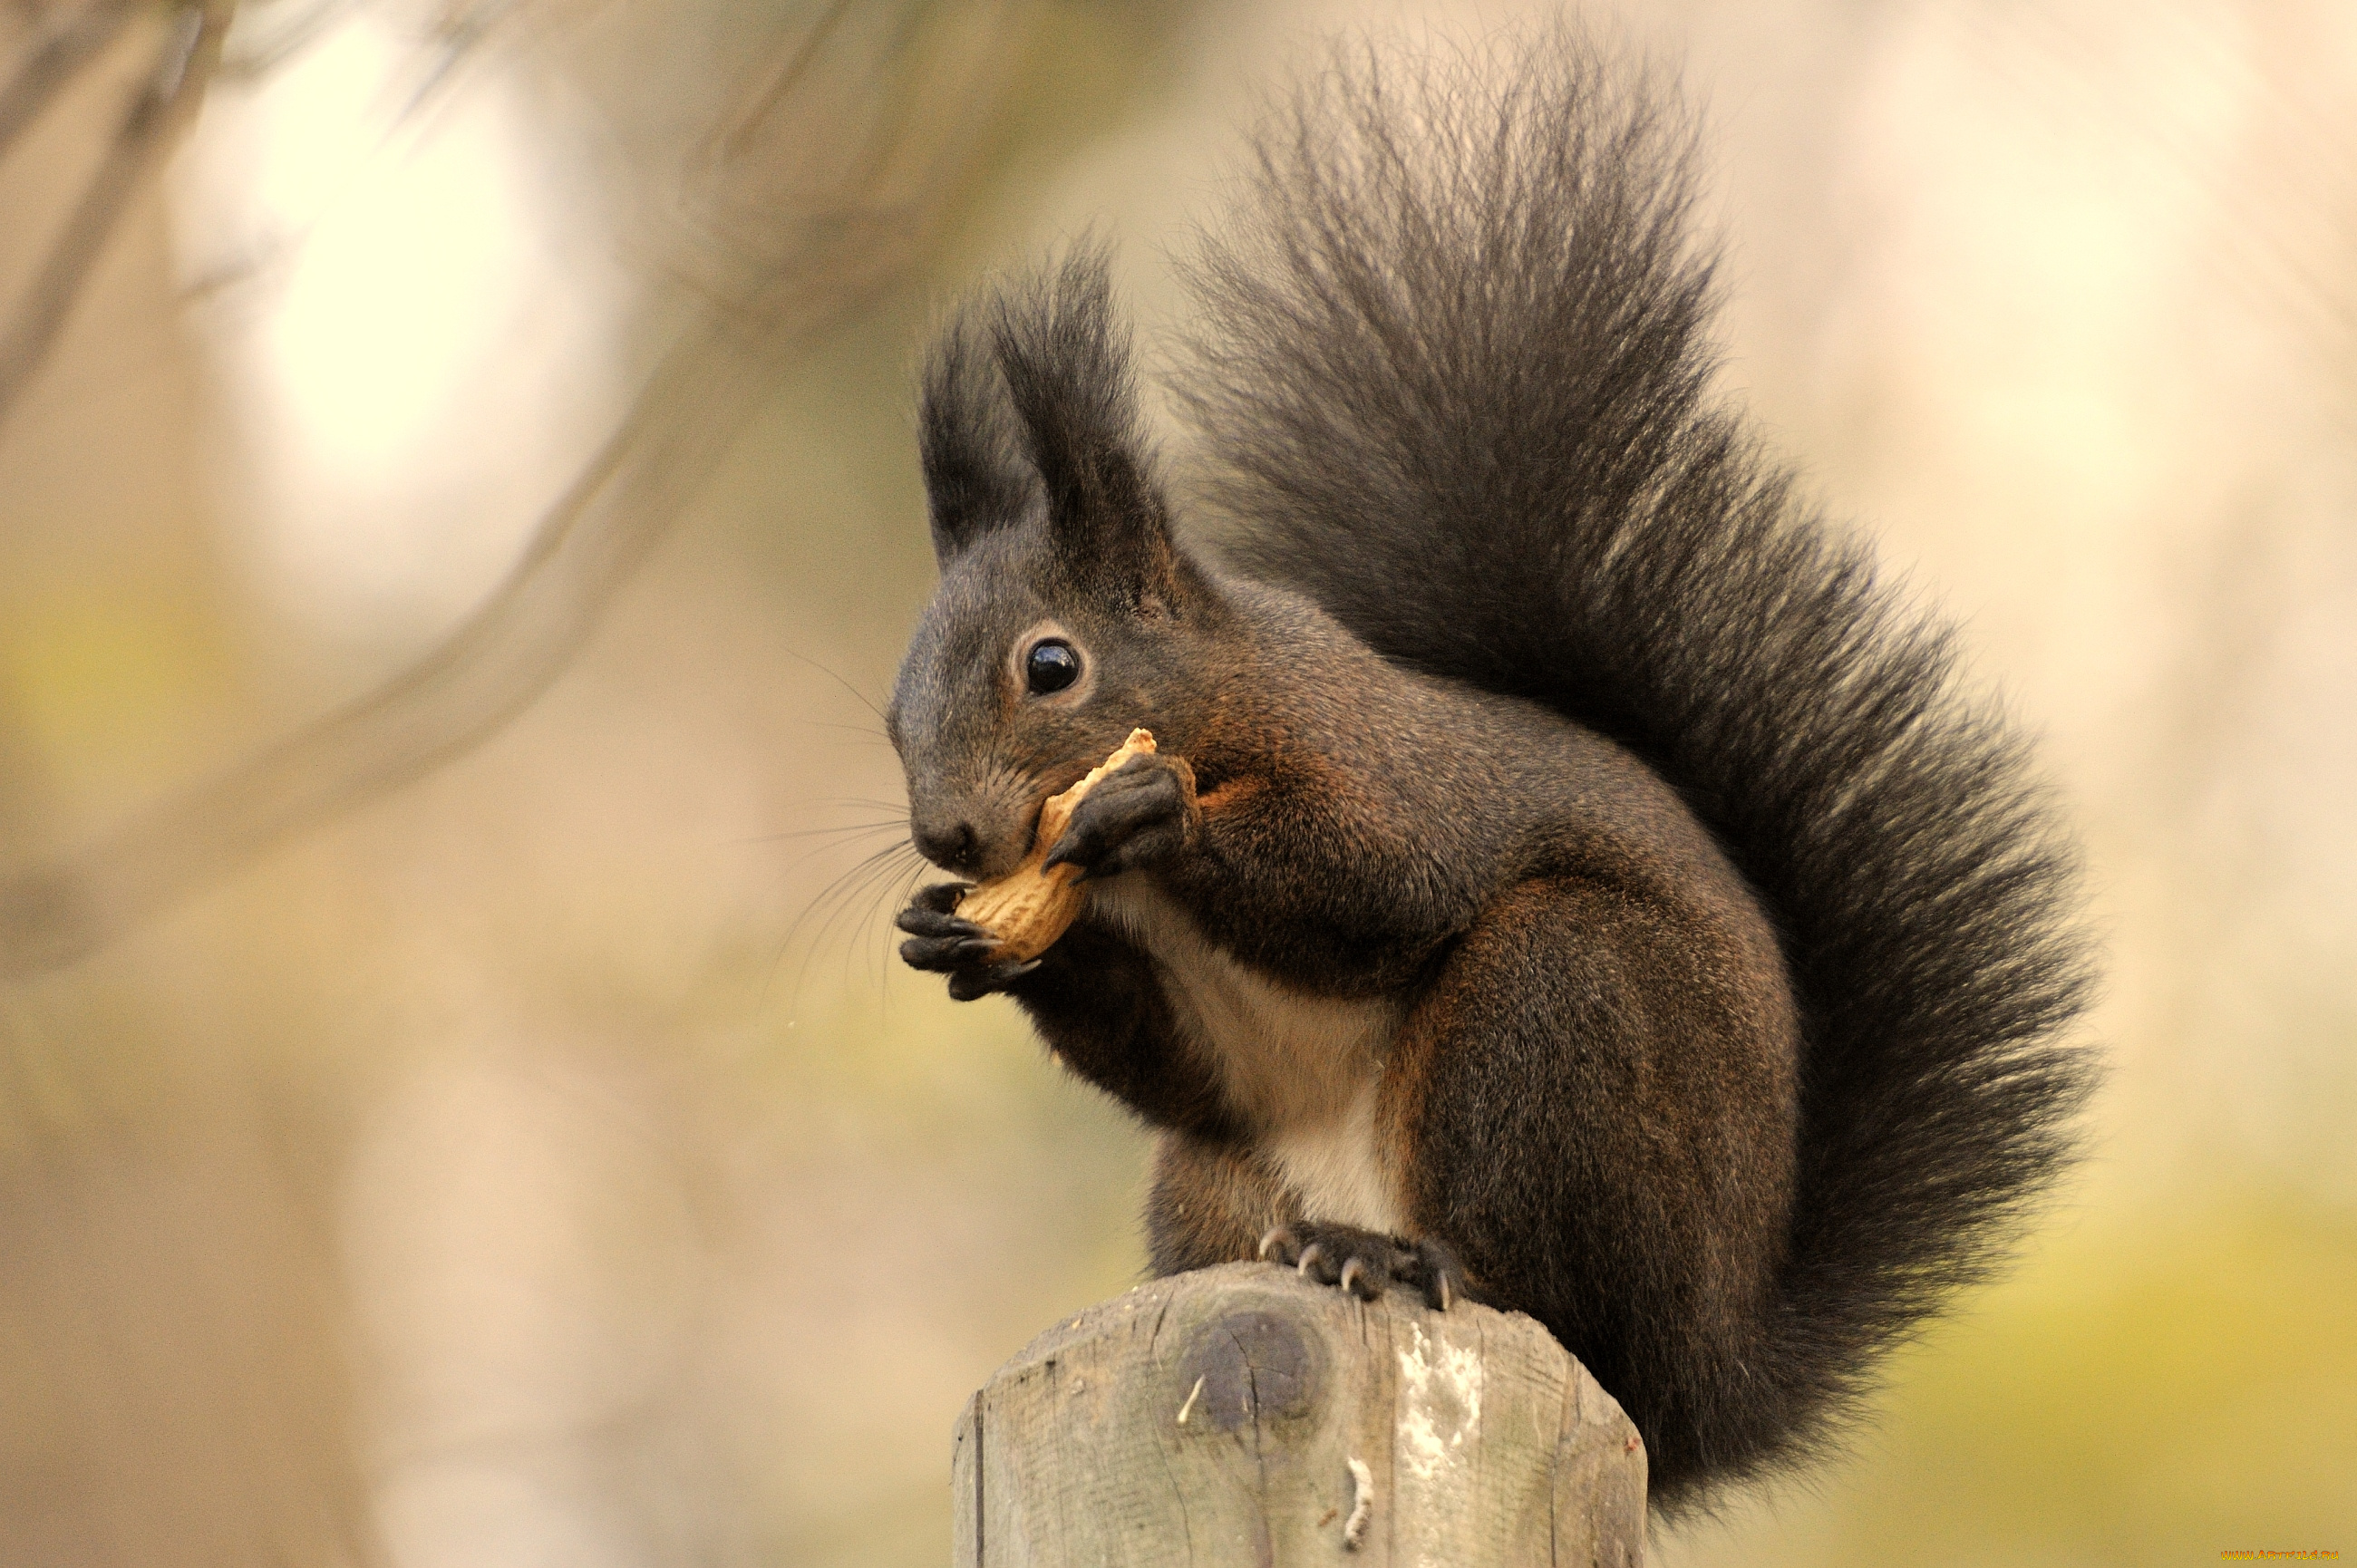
1731 940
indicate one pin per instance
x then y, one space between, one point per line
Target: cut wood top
1245 1415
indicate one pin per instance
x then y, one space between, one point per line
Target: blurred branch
54 62
174 84
736 140
267 39
819 258
465 688
452 46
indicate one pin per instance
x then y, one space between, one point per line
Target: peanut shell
1029 909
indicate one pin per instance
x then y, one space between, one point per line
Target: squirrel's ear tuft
976 478
1065 361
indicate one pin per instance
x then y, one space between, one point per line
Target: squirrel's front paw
1142 812
1368 1263
940 941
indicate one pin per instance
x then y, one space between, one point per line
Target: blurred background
457 515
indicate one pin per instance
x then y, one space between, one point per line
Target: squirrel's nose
950 846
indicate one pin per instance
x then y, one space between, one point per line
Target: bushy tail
1452 376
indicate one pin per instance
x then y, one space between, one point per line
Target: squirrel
1569 879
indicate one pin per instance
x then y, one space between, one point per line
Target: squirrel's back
1452 369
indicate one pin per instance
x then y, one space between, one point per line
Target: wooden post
1243 1415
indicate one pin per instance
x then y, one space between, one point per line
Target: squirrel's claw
937 939
922 922
946 953
937 899
1367 1263
1141 812
943 944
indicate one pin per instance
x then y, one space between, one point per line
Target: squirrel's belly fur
1298 1072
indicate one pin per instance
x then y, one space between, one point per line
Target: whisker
897 824
908 890
842 897
861 907
834 896
892 893
824 893
814 852
863 699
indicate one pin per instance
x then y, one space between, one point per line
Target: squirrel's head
1067 615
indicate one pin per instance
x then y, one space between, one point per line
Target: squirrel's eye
1052 665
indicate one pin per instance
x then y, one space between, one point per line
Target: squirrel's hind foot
1368 1263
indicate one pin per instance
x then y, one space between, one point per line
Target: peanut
1029 909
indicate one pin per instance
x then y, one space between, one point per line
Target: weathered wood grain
1241 1415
